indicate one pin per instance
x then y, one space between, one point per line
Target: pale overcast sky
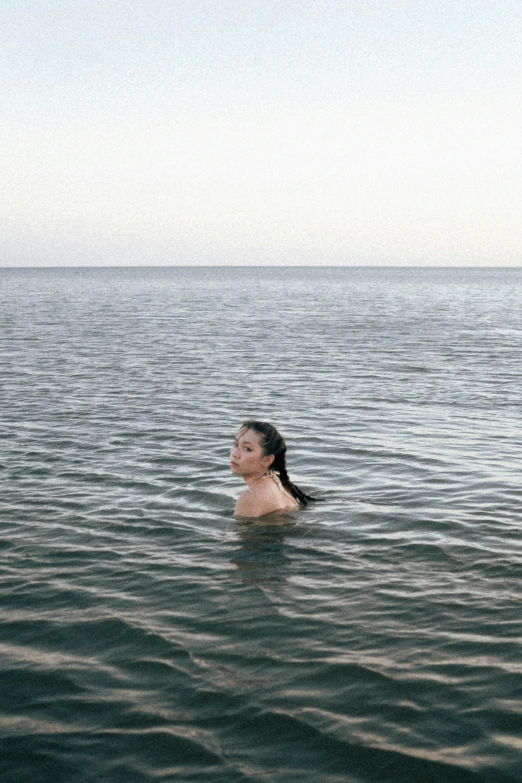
261 132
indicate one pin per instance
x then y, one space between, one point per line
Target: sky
261 132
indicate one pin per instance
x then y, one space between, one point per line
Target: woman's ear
269 459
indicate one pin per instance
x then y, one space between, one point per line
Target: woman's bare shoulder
250 505
264 499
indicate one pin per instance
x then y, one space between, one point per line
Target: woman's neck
258 478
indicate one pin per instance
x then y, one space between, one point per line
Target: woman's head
269 439
258 447
273 450
247 456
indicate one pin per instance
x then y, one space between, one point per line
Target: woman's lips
233 464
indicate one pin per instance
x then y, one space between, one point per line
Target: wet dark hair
273 443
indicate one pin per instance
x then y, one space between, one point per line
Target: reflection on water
260 554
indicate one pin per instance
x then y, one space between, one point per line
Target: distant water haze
146 634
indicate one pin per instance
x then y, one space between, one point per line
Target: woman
258 456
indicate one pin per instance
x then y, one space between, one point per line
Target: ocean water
146 635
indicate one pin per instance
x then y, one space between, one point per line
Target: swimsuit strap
273 474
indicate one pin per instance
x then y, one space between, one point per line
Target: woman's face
247 457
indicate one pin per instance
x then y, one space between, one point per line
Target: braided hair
273 443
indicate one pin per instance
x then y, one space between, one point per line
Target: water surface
147 635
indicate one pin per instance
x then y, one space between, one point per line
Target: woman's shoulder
265 498
254 504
